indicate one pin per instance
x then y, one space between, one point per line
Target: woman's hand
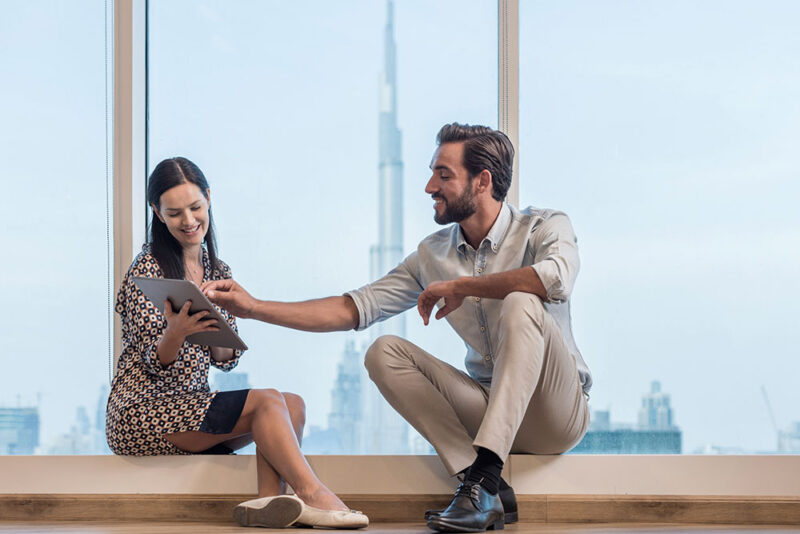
180 324
231 296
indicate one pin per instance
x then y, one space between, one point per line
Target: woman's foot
322 498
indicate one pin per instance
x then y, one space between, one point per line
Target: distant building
323 441
656 432
789 440
19 430
79 440
346 416
99 432
655 413
384 430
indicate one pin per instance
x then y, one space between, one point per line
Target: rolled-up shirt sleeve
386 297
555 253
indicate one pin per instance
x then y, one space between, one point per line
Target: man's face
450 185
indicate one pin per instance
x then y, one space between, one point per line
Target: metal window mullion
508 82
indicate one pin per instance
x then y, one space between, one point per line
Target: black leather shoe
508 499
473 509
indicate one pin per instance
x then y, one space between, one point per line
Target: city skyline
663 152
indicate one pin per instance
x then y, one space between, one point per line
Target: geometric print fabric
148 400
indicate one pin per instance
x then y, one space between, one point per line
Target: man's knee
519 306
380 353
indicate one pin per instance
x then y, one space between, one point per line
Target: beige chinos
535 404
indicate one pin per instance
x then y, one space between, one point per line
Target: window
281 111
668 132
55 319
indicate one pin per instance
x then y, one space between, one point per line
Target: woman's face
184 209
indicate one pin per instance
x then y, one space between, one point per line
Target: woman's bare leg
266 415
269 481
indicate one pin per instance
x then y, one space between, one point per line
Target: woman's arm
179 326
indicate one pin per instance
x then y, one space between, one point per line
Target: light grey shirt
541 239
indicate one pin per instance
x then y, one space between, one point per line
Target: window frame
130 146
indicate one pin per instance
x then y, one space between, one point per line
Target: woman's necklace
195 273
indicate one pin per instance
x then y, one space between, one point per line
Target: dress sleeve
142 326
224 273
555 253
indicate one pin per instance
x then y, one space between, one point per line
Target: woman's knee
297 408
266 400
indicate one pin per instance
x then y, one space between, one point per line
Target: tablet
178 292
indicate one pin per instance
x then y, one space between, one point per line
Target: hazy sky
667 131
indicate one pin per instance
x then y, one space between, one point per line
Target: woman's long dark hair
165 248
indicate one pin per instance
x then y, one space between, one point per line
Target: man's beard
458 209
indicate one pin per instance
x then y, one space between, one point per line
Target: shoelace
471 490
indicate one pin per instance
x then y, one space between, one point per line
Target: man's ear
484 181
155 210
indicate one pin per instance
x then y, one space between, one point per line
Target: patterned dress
148 400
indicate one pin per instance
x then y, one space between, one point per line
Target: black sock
503 484
486 470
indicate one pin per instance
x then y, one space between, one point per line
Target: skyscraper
656 412
385 431
19 430
656 432
346 398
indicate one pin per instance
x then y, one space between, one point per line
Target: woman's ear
155 210
208 195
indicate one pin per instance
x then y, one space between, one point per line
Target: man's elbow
349 317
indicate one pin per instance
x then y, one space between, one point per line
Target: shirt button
483 329
488 357
480 270
477 299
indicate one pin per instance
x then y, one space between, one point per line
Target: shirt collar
496 233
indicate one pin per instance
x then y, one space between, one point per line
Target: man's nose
431 186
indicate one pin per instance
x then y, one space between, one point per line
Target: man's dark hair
484 148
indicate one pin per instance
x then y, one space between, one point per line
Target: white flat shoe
271 512
316 517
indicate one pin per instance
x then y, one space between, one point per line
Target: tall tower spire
390 163
385 430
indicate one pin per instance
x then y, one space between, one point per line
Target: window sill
684 475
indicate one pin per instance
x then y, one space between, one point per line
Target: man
503 278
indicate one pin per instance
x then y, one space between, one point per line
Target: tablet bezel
157 290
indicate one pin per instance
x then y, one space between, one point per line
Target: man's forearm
499 285
330 314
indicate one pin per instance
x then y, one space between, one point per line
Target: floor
32 527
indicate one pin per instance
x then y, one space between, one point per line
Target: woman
160 401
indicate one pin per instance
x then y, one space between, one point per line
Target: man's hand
435 292
231 296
